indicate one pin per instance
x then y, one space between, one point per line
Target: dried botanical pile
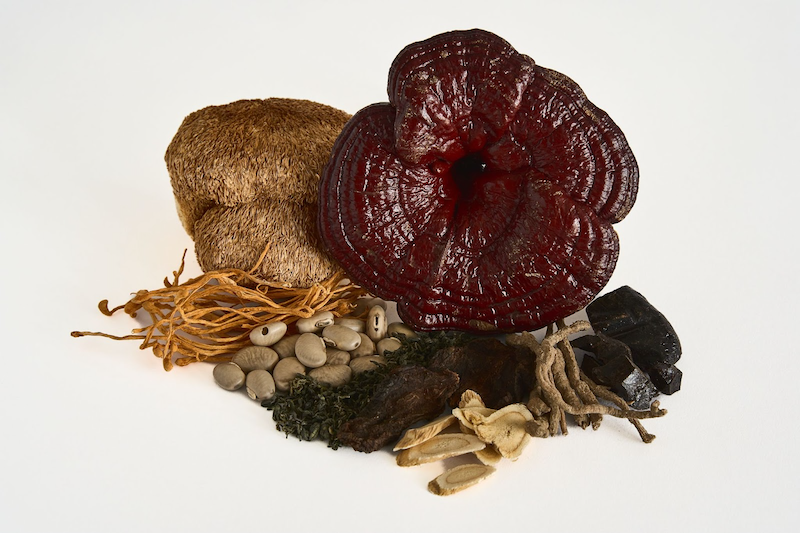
418 225
210 317
489 434
313 410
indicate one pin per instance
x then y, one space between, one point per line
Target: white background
95 436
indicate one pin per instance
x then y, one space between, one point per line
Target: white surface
96 437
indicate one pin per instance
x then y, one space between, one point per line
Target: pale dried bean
268 334
376 323
315 323
255 358
333 375
389 344
260 385
401 329
285 371
310 350
355 324
229 376
334 356
341 337
285 347
367 362
367 347
365 304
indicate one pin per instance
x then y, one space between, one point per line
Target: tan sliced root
209 318
415 436
505 429
470 398
490 455
469 416
459 478
442 446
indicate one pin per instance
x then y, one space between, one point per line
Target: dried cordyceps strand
209 318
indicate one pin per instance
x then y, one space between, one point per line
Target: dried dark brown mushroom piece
408 395
481 197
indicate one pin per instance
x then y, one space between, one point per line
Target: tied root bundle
562 388
209 318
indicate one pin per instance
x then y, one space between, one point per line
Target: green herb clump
313 410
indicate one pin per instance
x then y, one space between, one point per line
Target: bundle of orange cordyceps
478 202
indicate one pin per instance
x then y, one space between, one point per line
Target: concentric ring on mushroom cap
482 195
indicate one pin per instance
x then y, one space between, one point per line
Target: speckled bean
401 329
268 334
260 385
315 323
310 350
229 376
376 323
285 347
389 344
333 375
367 347
360 364
255 358
355 324
334 356
341 337
285 371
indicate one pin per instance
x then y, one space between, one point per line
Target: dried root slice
459 478
470 398
489 455
469 416
440 447
506 430
415 436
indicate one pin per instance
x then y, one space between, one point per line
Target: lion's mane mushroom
245 177
481 197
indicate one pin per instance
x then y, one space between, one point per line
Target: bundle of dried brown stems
562 388
209 318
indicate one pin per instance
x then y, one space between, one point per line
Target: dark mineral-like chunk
614 368
666 378
603 347
408 395
501 374
626 315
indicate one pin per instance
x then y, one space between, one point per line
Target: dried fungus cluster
245 178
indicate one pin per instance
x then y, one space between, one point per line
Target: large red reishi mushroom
481 197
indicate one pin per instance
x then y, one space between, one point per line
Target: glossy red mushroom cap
481 197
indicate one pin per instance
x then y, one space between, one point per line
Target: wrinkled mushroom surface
245 176
481 197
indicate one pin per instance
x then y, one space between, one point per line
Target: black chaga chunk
501 374
613 367
603 347
626 315
408 395
666 378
